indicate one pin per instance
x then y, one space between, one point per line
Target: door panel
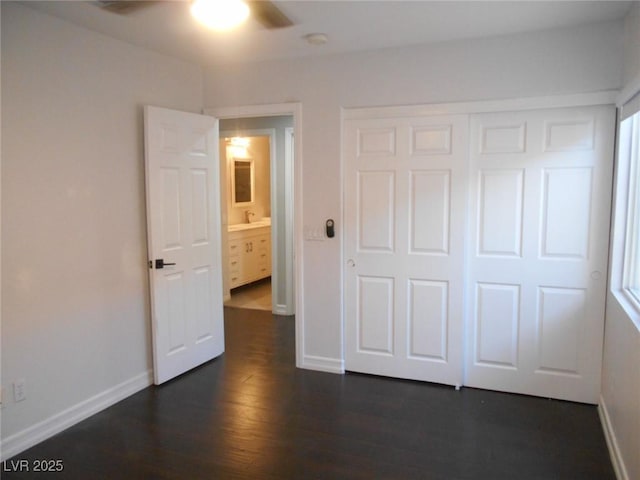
429 228
183 229
375 319
376 211
175 305
404 242
428 315
170 205
201 213
498 320
560 312
566 212
500 212
537 278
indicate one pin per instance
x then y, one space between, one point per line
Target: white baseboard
612 443
323 364
281 309
45 429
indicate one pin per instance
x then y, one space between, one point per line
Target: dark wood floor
252 415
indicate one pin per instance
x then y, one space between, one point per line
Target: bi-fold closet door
476 248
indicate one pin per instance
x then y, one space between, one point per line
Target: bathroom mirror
242 182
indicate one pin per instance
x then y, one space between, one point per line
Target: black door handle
160 263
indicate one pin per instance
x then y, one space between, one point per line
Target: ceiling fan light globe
220 14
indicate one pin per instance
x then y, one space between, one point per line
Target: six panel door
538 250
183 213
404 244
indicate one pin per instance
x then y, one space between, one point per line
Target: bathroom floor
255 296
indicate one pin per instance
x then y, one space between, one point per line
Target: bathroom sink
263 222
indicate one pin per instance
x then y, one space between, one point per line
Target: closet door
538 248
405 200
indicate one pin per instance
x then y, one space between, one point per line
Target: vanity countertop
265 222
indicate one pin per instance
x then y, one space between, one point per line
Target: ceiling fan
264 11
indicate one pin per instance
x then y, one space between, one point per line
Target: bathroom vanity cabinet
249 255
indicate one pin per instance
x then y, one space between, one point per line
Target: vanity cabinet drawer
235 246
234 264
235 271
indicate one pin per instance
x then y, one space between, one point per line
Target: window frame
625 238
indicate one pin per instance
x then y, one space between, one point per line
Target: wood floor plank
251 414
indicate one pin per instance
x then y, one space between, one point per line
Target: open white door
183 216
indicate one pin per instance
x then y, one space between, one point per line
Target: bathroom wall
259 152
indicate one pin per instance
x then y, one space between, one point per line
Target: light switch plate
313 234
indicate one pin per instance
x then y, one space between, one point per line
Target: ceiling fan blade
124 7
264 11
268 14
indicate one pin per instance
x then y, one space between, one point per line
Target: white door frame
294 248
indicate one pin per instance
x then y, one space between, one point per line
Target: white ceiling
168 28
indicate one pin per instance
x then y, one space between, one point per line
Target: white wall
620 402
621 387
573 60
75 292
631 50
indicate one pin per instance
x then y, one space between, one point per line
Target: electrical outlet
19 390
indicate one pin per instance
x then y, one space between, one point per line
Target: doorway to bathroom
256 162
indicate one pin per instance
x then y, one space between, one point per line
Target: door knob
161 264
351 263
